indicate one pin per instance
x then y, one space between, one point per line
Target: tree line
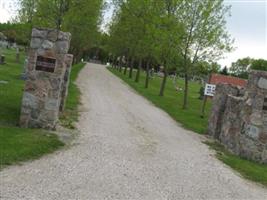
241 67
81 18
184 36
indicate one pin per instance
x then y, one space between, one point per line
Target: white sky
247 25
7 9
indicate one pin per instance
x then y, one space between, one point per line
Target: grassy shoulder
248 169
16 144
19 144
172 100
71 114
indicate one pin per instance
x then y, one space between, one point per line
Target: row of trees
241 67
81 18
185 36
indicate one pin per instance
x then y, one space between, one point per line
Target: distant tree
241 67
50 13
224 71
205 68
81 18
259 64
27 11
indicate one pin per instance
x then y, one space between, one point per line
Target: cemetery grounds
18 145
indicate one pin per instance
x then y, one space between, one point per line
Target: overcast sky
247 25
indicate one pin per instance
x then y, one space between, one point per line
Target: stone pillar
239 119
218 108
64 89
46 68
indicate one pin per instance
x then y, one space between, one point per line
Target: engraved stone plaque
45 64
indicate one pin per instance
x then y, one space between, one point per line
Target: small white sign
210 90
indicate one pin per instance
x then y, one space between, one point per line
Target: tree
50 13
27 11
129 32
83 21
168 35
240 67
205 35
224 71
259 64
81 18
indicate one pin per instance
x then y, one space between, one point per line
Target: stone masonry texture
64 87
239 117
43 89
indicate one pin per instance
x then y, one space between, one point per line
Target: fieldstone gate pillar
65 84
46 68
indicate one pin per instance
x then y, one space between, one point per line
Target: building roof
218 78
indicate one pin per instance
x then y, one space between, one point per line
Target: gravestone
17 55
24 72
2 59
46 68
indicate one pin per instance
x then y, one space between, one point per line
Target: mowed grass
71 114
11 92
248 169
172 100
18 144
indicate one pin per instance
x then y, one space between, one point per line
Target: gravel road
127 149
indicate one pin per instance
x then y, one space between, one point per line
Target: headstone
45 71
2 59
24 72
17 55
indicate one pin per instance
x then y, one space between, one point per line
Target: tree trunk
120 66
185 91
138 71
163 83
147 74
131 68
112 62
126 66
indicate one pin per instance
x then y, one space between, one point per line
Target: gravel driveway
127 149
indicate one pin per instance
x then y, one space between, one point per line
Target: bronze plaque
45 64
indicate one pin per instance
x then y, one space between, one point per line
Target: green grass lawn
248 169
190 119
70 114
17 144
172 100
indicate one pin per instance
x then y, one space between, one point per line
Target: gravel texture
127 149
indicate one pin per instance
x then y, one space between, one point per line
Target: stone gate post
46 69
